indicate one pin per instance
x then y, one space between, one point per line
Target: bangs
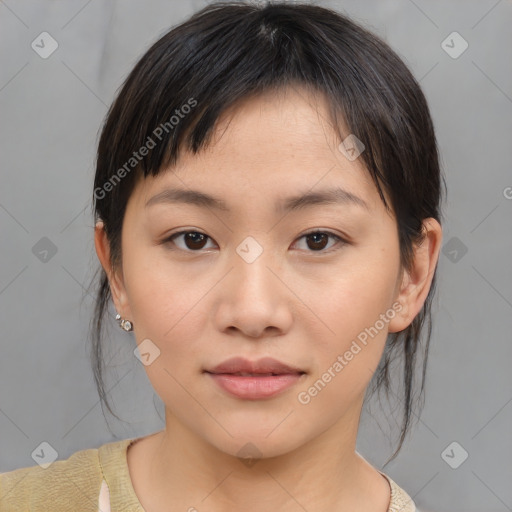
176 93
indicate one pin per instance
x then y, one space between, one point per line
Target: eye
317 240
193 240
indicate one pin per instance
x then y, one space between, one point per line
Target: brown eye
316 241
193 240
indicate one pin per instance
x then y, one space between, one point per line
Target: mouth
256 380
247 374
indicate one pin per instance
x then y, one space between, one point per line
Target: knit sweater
98 480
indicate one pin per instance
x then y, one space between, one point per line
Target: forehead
274 144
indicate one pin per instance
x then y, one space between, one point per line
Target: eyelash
170 240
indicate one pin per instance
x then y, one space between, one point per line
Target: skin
299 305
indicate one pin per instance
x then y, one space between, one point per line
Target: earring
126 325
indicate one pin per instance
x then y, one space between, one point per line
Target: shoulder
400 500
70 484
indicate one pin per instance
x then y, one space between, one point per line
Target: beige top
98 480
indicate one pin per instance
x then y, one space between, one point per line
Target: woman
267 200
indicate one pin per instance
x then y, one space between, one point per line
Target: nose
254 298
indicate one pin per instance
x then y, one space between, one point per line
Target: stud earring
126 325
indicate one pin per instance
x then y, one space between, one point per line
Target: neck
324 473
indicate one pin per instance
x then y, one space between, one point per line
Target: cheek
165 304
167 310
355 310
346 359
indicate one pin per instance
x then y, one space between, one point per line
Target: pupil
192 237
318 235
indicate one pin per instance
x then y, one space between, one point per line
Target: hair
229 51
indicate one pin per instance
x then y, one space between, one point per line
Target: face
250 280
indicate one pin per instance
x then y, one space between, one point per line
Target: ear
416 283
115 279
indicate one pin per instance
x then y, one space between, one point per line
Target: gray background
51 112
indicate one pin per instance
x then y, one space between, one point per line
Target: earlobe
416 282
115 281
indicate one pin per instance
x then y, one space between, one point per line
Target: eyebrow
323 197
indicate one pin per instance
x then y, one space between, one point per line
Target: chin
256 443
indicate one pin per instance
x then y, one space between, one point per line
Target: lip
263 365
255 380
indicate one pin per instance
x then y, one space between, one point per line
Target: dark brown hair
231 50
